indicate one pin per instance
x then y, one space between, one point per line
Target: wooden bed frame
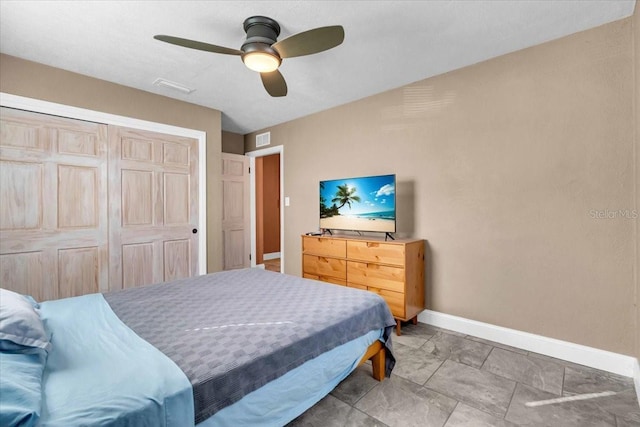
375 353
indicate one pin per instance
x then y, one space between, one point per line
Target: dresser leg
414 321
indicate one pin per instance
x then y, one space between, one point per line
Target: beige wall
29 79
232 143
503 167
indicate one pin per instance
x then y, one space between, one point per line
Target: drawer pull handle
372 245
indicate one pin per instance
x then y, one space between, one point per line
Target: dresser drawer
324 266
385 253
376 275
357 286
324 246
326 279
395 301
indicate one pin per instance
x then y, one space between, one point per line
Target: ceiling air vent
172 85
263 139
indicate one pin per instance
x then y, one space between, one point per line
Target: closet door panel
78 192
137 265
78 143
154 207
21 195
177 259
53 205
78 270
23 273
137 198
176 199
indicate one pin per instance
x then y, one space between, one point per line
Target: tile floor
443 378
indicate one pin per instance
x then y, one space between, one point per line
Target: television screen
359 204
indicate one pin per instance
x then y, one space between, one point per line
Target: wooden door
271 204
153 208
259 203
53 205
236 221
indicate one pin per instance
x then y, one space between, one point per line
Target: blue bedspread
100 373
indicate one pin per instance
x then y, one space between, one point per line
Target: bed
243 347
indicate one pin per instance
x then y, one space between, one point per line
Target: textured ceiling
387 44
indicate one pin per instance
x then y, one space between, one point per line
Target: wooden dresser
392 269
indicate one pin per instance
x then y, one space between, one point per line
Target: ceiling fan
262 52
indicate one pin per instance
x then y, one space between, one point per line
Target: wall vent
263 139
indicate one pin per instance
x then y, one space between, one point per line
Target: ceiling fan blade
198 45
310 42
274 83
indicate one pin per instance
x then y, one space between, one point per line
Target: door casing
277 149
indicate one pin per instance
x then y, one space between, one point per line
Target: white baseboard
636 378
272 255
600 359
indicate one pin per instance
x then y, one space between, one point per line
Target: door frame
277 149
52 108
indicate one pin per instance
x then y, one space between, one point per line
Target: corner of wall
635 23
232 143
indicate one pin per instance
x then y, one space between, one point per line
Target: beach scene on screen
360 204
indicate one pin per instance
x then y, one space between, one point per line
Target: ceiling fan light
262 62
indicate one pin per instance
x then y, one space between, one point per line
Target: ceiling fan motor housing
262 32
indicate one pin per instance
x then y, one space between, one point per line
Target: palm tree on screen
345 195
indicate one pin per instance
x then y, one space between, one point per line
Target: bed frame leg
378 362
376 353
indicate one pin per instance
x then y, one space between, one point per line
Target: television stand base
388 235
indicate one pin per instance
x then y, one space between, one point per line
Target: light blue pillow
21 387
20 322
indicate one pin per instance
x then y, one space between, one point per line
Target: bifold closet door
53 205
153 208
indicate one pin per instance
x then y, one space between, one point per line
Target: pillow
11 347
20 322
21 387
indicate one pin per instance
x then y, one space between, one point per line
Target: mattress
233 332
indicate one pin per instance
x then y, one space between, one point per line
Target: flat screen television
366 203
